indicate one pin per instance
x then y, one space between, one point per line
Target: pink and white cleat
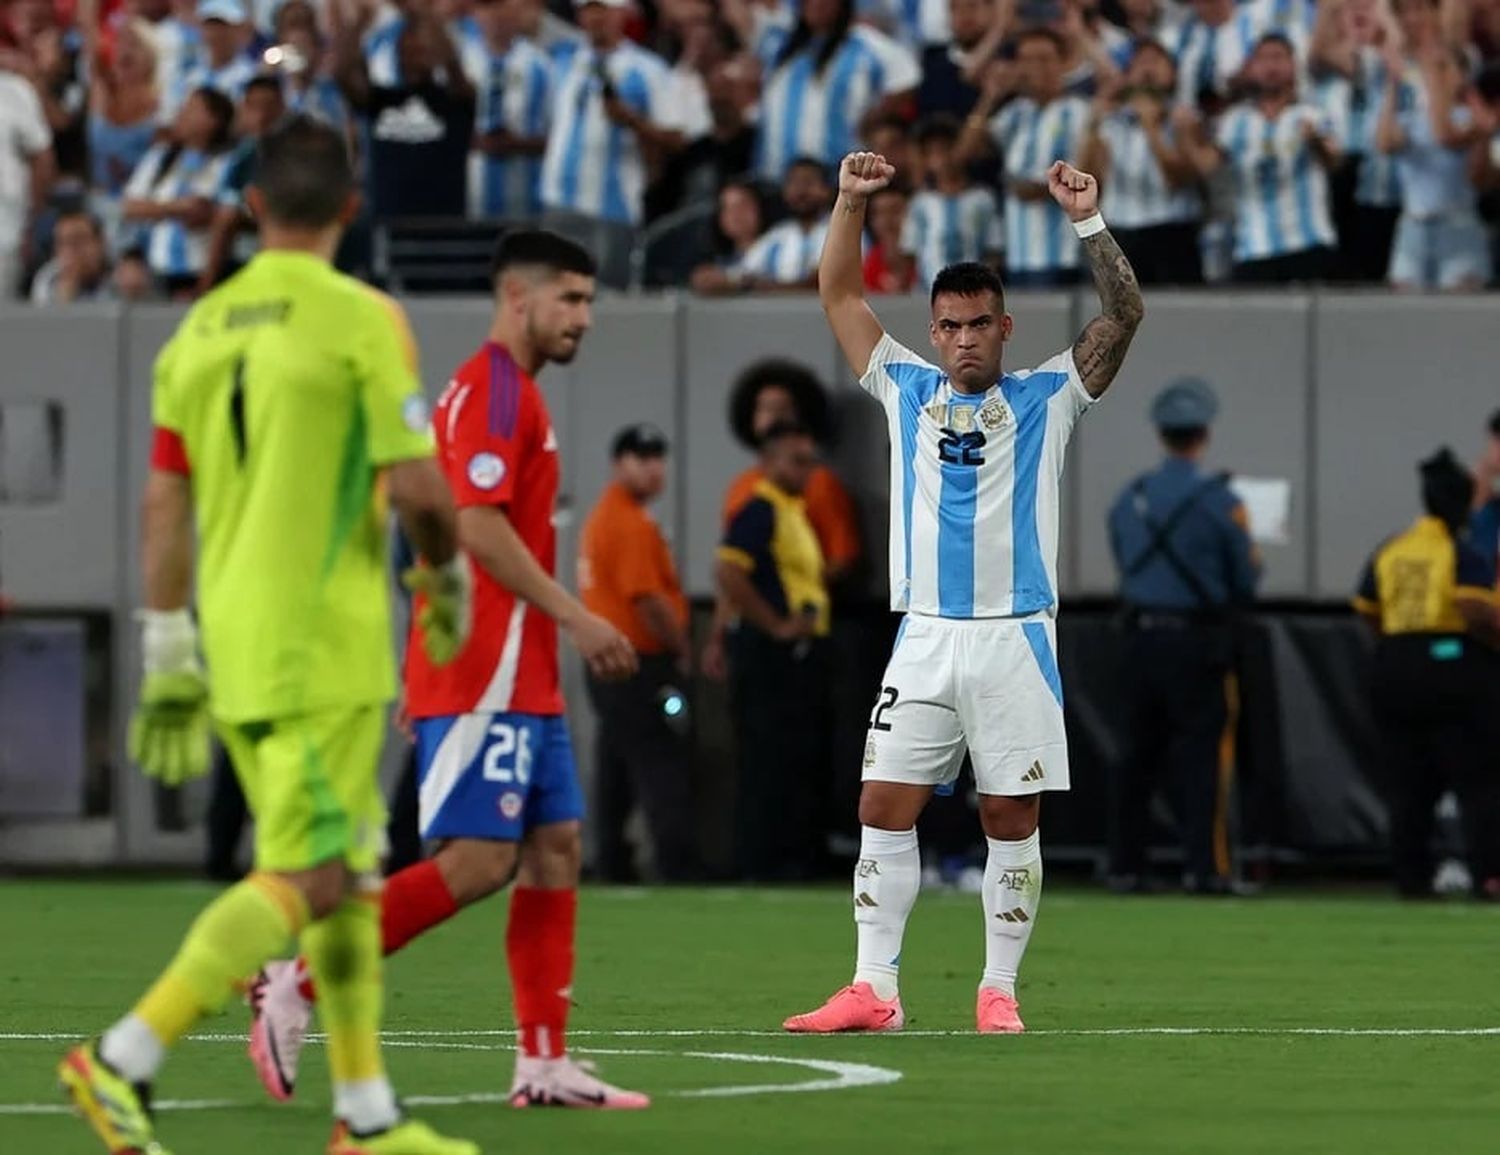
855 1008
278 1024
998 1013
566 1083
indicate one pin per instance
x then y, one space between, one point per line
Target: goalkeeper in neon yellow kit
287 413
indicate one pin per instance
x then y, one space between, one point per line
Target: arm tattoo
1100 348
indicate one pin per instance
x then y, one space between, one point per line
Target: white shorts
990 686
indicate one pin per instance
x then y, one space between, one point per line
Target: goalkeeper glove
445 612
169 732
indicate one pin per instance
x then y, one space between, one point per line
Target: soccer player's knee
324 888
1009 819
552 857
887 810
477 868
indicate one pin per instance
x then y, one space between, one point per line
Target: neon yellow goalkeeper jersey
281 395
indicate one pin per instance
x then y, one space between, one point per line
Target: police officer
1186 562
1430 593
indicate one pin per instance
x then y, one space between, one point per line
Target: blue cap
1187 403
229 11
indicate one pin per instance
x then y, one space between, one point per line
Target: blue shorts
495 776
1441 252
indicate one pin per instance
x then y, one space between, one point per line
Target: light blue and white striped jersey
1209 57
322 99
942 229
1136 194
1280 190
512 96
786 253
230 80
179 44
805 113
915 23
383 56
1038 235
593 166
975 484
1353 107
1434 179
172 249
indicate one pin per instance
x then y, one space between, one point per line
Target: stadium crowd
1266 140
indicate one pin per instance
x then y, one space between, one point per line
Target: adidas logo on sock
1035 774
865 900
1017 915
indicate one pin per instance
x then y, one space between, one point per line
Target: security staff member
1186 562
1431 596
771 572
626 576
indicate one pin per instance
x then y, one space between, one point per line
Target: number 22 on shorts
508 756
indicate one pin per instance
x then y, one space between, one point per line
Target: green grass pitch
1254 979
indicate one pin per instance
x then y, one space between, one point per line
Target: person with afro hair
771 392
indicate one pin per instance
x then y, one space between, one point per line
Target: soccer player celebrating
288 413
975 475
499 789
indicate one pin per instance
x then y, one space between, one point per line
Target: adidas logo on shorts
1035 774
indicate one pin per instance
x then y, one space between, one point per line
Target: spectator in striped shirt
951 219
1279 152
172 192
825 77
510 133
1040 126
952 72
787 256
307 79
1440 241
224 65
1149 185
612 124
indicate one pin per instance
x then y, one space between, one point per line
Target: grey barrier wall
1337 394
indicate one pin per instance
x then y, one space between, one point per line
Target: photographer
1431 597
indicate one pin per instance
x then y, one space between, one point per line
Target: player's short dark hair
783 431
808 397
541 248
809 162
1184 439
941 127
303 171
1042 32
968 279
263 82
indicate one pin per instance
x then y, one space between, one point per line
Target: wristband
1089 226
169 641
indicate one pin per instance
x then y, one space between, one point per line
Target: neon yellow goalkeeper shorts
312 781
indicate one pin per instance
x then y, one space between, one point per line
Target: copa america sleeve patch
486 471
414 413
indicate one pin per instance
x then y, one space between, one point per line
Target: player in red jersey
499 789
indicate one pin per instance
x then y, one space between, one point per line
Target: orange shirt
829 508
622 555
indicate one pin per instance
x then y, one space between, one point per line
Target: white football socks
886 881
133 1050
367 1105
1012 891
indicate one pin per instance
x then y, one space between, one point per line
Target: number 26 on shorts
507 757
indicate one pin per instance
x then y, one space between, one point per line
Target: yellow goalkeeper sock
243 928
344 953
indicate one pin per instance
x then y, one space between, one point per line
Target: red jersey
497 447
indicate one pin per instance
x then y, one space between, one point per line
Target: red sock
539 945
415 899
